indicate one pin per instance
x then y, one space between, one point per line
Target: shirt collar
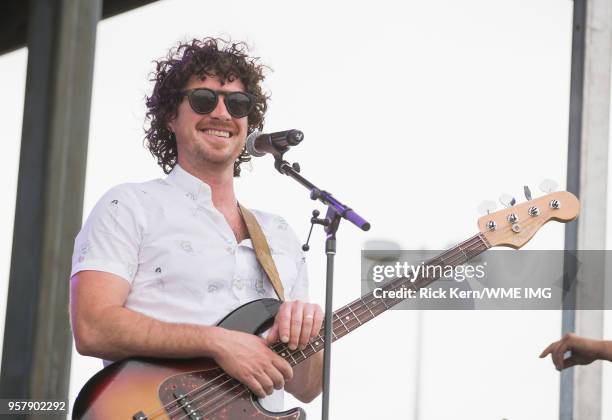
194 188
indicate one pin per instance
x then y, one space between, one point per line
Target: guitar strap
262 250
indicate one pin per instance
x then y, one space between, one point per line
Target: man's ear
170 126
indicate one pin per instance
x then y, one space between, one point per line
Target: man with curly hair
158 264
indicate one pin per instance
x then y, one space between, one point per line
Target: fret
368 308
354 315
383 301
348 320
342 322
340 312
284 352
359 313
484 241
378 308
311 350
372 306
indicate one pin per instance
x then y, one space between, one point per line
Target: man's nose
220 111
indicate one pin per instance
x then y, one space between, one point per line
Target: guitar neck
367 307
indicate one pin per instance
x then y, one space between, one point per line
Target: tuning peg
527 192
487 207
548 186
507 200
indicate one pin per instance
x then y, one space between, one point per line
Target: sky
413 113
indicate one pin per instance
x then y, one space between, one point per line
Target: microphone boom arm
316 193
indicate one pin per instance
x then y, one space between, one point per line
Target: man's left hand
296 323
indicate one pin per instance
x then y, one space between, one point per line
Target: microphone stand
335 211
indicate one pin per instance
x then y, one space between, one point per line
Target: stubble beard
205 159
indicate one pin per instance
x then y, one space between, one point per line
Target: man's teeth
217 133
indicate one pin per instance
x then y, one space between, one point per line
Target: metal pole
587 174
37 339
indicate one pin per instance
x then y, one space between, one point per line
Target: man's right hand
248 359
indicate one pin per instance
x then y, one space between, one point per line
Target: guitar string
483 244
358 304
160 411
468 246
455 251
245 389
275 348
375 307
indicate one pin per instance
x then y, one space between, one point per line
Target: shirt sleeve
111 237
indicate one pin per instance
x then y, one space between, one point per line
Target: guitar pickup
185 404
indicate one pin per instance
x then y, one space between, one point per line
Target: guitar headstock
516 225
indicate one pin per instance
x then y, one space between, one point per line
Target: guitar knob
533 211
512 218
555 204
491 225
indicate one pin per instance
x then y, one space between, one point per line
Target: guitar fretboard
367 307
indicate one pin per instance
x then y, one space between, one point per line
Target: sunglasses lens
238 104
203 101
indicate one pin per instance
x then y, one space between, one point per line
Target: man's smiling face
214 139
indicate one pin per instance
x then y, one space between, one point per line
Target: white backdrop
414 112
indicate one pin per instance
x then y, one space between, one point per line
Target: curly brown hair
207 57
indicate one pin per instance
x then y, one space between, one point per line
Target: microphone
258 144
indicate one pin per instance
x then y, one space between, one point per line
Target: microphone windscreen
250 144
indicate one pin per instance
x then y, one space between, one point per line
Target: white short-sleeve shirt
175 249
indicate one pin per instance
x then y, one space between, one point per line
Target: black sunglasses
204 101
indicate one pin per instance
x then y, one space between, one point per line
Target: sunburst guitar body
186 389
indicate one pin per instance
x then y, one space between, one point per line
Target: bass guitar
190 389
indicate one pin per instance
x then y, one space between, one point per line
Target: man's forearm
120 332
606 351
308 379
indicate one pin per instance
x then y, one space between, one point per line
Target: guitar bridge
185 404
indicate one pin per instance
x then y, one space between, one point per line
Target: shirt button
238 283
230 249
